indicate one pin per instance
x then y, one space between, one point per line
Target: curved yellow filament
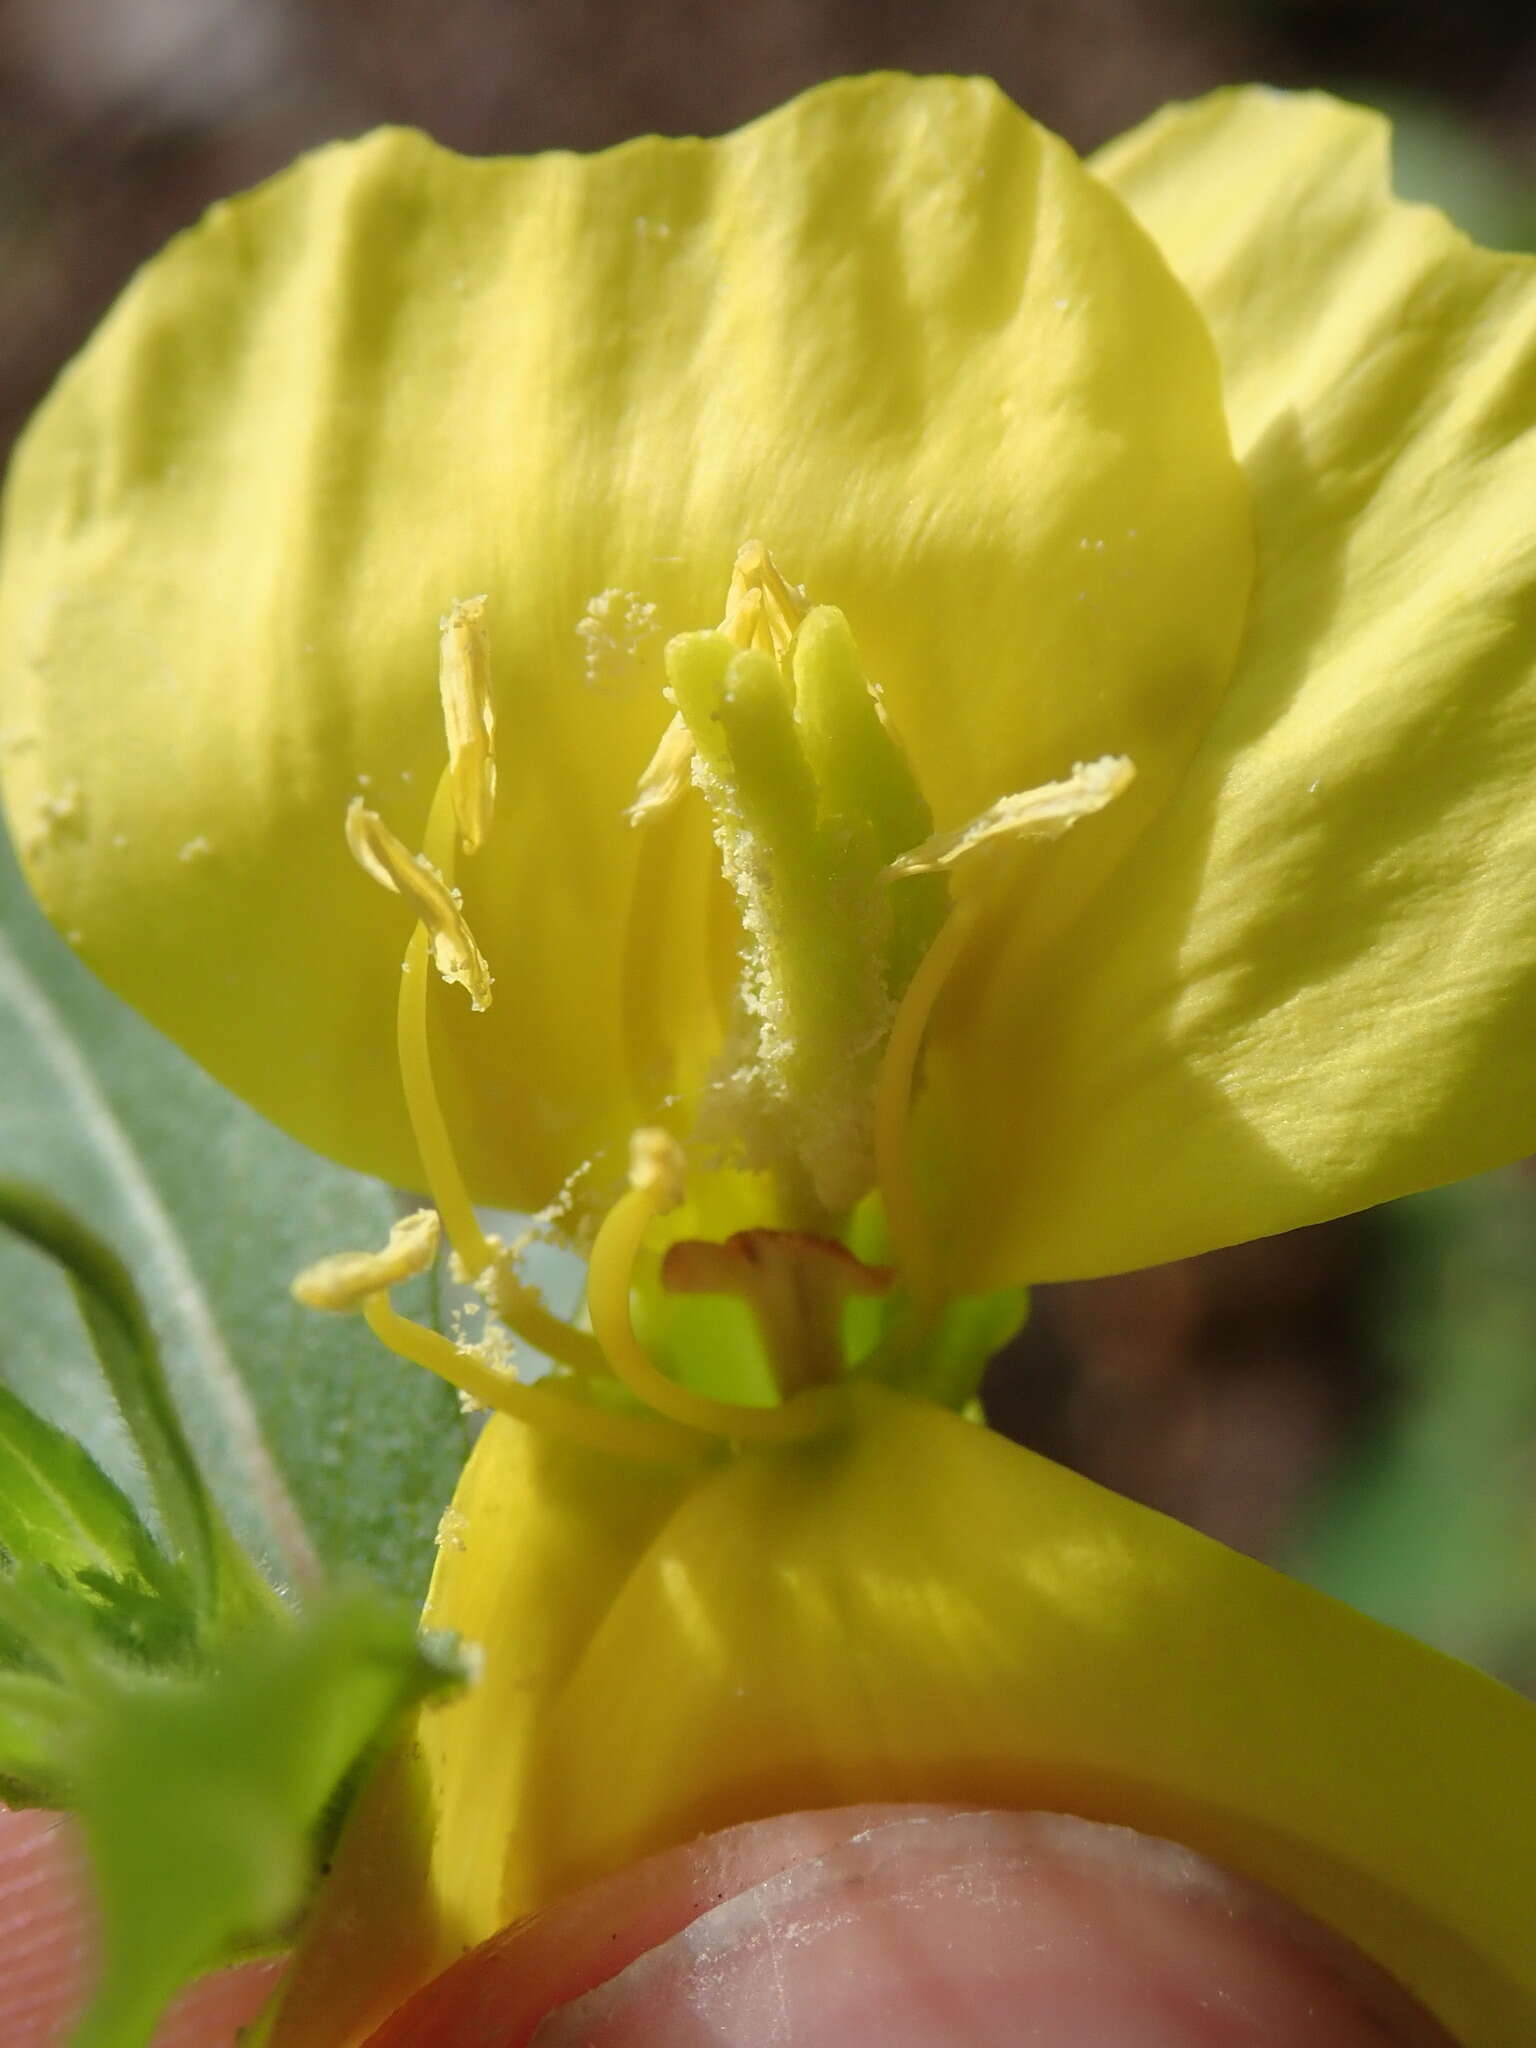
516 1304
645 969
527 1317
609 1271
622 1436
894 1175
439 1166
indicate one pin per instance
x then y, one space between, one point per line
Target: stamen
623 1436
344 1282
656 1185
517 1304
1044 813
763 610
439 1163
894 1174
455 954
795 1285
526 1316
666 775
665 896
464 679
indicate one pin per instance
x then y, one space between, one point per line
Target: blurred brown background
1359 1400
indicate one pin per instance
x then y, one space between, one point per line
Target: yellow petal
532 1553
894 331
1314 987
920 1610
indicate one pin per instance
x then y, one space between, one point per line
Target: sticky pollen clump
613 631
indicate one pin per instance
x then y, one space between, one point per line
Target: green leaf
82 1582
30 1725
206 1742
1430 1528
130 1362
59 1509
1436 157
311 1439
205 1797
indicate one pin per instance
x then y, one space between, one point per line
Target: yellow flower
1180 502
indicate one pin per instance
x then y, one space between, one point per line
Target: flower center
842 888
811 799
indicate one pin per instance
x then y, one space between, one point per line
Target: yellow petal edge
1314 988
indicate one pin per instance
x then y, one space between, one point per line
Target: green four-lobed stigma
812 798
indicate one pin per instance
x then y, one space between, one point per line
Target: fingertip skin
924 1927
507 1985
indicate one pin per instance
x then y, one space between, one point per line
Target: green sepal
207 1736
209 1799
944 1360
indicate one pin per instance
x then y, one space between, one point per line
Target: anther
390 862
344 1282
666 775
763 612
469 718
763 609
1043 813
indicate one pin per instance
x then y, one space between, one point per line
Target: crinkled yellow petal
1315 985
920 1610
893 330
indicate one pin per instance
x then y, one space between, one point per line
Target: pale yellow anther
469 718
657 1166
346 1281
1043 813
763 611
668 773
391 863
762 608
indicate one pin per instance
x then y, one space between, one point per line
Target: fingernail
985 1929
